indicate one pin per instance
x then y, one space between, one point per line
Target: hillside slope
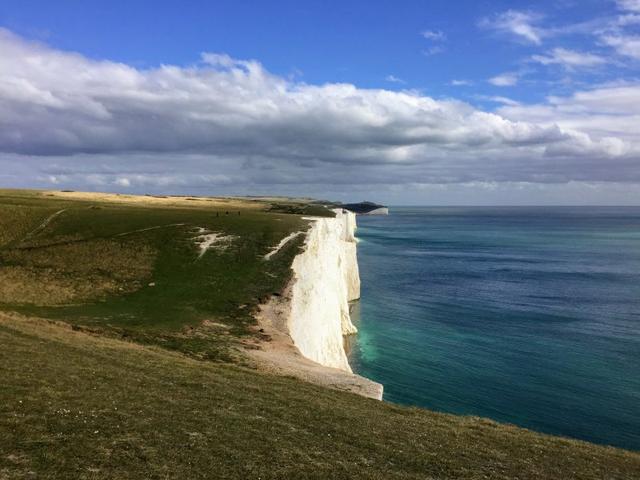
182 272
74 405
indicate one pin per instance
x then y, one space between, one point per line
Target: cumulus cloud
234 125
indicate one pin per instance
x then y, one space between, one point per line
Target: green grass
132 269
78 406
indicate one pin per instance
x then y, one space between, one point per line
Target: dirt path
149 228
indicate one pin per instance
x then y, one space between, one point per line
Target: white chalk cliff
305 325
326 279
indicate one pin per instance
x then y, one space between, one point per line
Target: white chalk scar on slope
206 240
282 243
43 225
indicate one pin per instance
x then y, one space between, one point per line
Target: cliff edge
305 326
326 280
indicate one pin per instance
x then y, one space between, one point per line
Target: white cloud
627 45
520 24
461 83
428 52
229 124
612 31
434 35
609 115
569 59
394 79
498 99
627 20
630 5
123 182
504 80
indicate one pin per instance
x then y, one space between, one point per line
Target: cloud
228 125
123 182
434 35
461 83
498 99
569 59
609 30
619 33
428 52
626 45
394 79
608 115
521 24
504 80
629 5
627 20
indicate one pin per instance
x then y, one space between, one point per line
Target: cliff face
306 323
326 278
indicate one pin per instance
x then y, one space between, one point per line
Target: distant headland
366 208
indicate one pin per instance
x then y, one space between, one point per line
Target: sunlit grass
82 406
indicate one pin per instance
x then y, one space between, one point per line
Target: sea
525 315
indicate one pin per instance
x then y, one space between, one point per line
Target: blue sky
360 42
552 74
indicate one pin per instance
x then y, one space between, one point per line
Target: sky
400 102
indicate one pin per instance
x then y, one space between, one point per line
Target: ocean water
525 315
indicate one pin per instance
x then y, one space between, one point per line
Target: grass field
132 267
118 359
80 406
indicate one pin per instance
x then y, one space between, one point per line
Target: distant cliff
366 208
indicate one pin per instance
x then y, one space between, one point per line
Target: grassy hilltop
131 266
119 359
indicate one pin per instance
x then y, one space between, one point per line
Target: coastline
303 329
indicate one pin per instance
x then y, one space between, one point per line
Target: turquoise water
525 315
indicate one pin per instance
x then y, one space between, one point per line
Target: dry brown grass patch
73 272
16 221
161 200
